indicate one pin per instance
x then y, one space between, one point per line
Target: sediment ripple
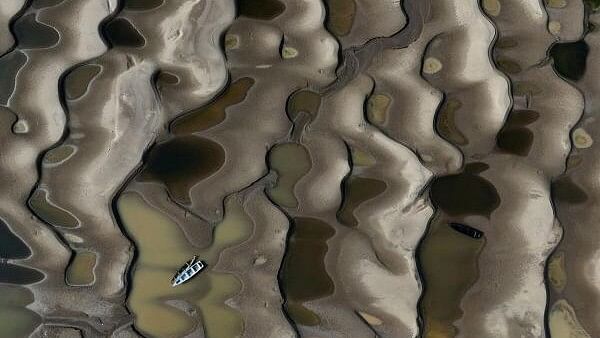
572 269
40 120
345 168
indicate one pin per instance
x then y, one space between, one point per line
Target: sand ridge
330 159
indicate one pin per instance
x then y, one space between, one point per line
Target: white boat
189 270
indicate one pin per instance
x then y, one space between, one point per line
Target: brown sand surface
345 168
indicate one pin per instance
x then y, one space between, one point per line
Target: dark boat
467 230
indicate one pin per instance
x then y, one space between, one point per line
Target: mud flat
572 268
345 168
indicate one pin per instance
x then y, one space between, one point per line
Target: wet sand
346 168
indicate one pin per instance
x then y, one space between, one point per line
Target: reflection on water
50 213
181 162
570 59
291 161
340 16
260 9
121 33
15 319
214 113
32 34
303 101
81 269
300 314
16 274
464 194
517 141
446 125
356 191
518 118
514 137
449 268
162 249
58 155
78 80
10 64
565 190
361 158
303 275
11 246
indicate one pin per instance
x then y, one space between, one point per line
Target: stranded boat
467 230
189 270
